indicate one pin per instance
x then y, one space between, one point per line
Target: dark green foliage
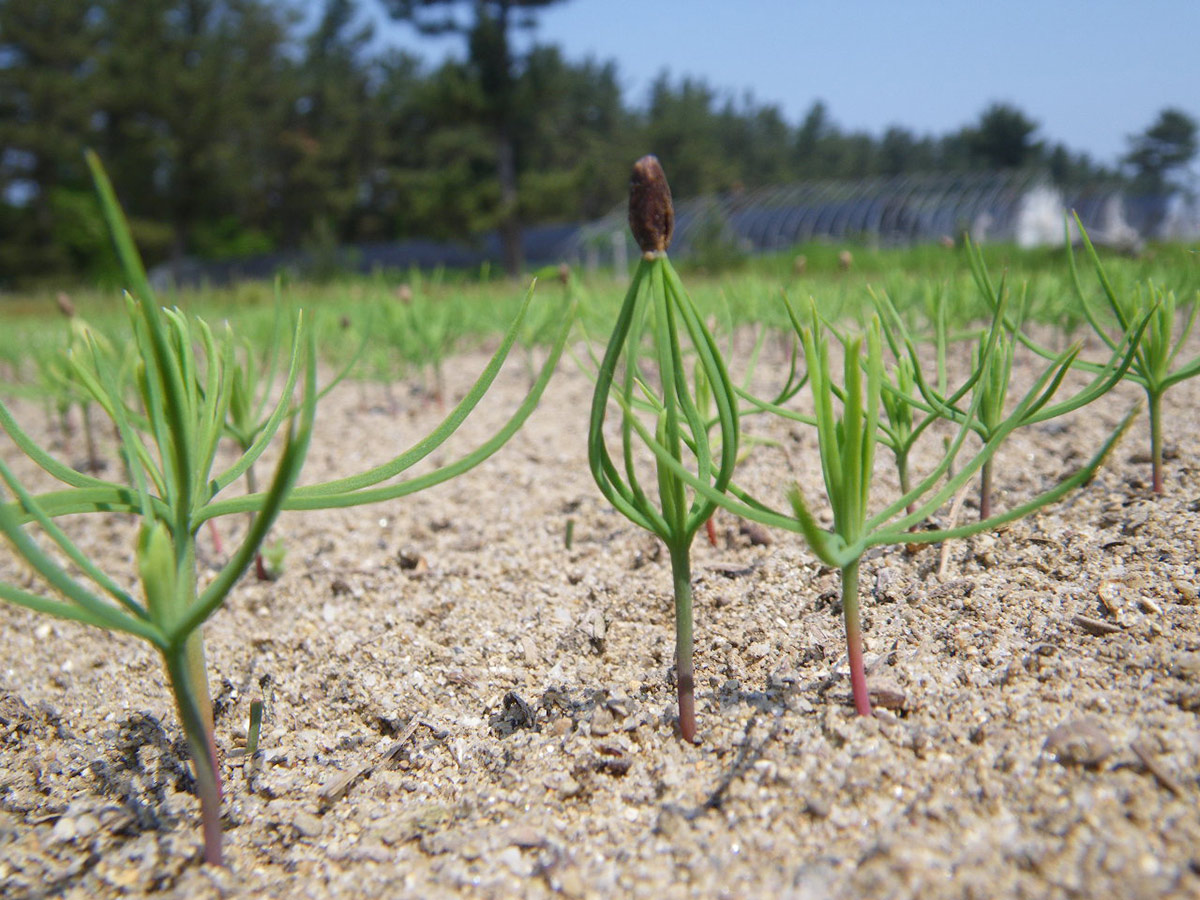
233 127
1002 139
1165 147
45 105
493 69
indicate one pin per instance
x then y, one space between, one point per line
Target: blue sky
1091 72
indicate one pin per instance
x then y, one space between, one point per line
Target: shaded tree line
233 126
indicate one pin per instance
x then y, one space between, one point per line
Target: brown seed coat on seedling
651 212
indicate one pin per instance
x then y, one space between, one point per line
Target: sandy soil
459 705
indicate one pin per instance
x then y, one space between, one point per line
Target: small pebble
602 721
818 807
1186 665
1081 742
758 650
86 825
568 788
64 830
1109 593
515 862
525 836
571 883
759 536
307 824
1187 591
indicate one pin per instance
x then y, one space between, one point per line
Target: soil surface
459 704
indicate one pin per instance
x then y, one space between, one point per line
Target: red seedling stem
685 677
858 671
985 490
218 547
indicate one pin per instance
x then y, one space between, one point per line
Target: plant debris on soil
456 704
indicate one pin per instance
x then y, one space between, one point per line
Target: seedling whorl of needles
653 381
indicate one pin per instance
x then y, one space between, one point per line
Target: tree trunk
510 223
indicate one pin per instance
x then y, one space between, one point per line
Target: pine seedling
62 383
1154 365
638 379
169 431
898 427
170 409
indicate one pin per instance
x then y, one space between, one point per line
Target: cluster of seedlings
663 372
180 390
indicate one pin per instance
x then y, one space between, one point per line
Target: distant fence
543 244
1026 209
